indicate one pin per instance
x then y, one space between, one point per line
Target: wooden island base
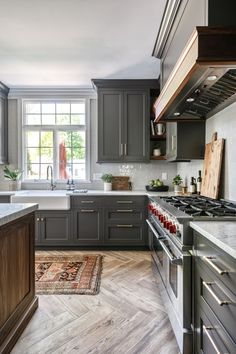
17 289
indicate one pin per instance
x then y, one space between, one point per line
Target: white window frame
21 107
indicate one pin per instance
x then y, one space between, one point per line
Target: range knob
172 229
167 224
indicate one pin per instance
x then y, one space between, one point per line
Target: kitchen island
17 290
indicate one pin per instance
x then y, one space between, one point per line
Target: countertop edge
16 214
222 245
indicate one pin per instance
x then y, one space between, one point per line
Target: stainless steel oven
174 267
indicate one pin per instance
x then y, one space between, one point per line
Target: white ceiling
68 42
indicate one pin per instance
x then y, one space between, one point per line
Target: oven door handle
154 231
173 260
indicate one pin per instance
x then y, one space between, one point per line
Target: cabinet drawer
86 201
222 265
124 215
212 338
218 297
124 234
125 202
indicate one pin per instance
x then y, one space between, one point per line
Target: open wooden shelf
162 157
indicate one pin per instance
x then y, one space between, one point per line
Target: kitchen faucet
52 184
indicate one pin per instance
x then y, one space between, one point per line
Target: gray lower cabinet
214 290
95 221
53 228
88 226
5 199
125 221
3 124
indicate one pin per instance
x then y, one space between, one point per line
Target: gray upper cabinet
179 21
136 126
123 119
3 124
110 125
185 141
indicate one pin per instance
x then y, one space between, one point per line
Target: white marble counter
124 193
2 193
221 233
58 192
10 212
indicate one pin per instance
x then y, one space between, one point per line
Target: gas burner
202 206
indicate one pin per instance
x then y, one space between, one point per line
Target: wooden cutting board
212 167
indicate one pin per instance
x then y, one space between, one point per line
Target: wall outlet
97 176
164 176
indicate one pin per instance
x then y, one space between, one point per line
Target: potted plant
177 180
13 176
107 179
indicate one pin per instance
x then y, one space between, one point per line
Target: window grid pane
64 149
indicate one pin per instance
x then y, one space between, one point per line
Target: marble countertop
6 193
221 233
90 192
12 211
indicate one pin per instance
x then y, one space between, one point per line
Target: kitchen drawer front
86 201
218 297
210 336
222 265
126 202
125 234
122 214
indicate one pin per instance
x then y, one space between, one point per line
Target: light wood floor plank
126 317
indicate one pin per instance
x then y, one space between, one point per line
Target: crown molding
51 92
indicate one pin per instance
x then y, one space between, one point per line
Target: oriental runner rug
68 274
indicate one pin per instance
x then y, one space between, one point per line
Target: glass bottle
199 182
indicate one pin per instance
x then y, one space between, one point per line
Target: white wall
140 173
224 123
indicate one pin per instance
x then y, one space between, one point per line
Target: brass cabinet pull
87 201
124 201
87 211
121 149
38 219
125 225
208 259
207 331
125 149
124 210
208 287
42 219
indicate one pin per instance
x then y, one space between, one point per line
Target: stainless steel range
170 240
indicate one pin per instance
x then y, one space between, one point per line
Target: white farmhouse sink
46 200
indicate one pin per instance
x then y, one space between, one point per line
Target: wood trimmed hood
203 81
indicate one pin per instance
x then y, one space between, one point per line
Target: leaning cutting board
212 167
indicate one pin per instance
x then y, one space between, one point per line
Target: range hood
203 81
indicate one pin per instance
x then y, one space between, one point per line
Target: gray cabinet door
55 227
125 234
88 226
3 125
110 125
185 141
136 126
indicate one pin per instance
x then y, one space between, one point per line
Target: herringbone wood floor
126 317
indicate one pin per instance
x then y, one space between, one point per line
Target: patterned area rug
68 274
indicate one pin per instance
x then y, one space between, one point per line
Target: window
54 133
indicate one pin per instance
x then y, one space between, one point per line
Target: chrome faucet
52 184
